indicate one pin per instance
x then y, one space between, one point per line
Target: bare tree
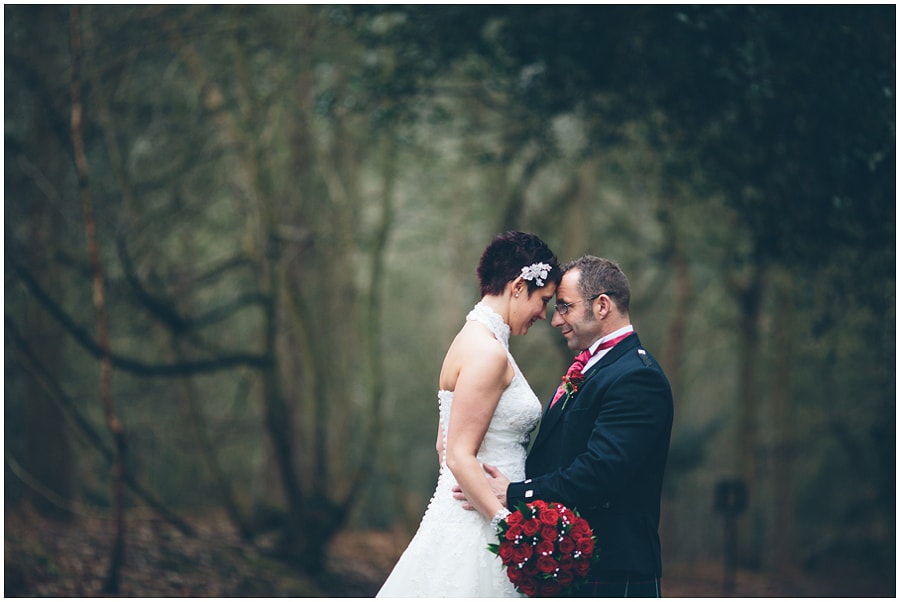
111 585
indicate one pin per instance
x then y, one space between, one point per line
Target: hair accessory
537 272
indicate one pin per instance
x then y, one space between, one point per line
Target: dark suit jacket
604 454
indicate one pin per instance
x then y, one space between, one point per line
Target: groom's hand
497 481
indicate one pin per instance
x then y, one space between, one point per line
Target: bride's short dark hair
503 260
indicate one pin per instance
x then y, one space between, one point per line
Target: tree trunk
749 296
682 297
210 457
674 346
781 540
111 583
373 322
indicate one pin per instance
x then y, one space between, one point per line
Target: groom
604 438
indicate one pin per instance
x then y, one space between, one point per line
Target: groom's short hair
599 275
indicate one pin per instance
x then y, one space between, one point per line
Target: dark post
730 502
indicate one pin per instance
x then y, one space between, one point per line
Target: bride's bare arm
481 381
439 444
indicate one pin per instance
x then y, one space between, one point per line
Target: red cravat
581 359
613 342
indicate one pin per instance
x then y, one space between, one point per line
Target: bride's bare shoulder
474 347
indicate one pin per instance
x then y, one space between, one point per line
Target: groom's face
579 326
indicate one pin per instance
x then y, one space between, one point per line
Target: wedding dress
448 556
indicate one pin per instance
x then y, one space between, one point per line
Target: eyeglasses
563 308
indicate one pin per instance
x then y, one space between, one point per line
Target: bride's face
527 309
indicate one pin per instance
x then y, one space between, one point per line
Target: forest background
238 240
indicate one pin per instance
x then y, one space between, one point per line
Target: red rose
580 529
506 551
530 527
582 566
528 586
549 533
585 546
513 533
522 553
514 519
547 564
544 548
549 517
550 588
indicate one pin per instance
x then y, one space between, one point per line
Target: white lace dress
448 556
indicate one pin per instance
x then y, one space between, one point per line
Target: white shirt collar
618 333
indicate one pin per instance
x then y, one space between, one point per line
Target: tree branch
69 409
127 364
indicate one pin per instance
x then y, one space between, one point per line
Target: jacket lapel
552 415
616 352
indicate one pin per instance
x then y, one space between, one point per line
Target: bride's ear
519 286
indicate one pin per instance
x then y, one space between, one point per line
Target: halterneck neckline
483 314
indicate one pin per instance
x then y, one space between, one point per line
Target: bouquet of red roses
547 548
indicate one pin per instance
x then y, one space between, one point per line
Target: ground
52 559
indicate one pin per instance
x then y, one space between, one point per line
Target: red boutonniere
572 382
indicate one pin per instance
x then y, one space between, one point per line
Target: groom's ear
602 306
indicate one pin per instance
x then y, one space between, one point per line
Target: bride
487 412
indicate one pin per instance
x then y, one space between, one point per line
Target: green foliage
304 191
